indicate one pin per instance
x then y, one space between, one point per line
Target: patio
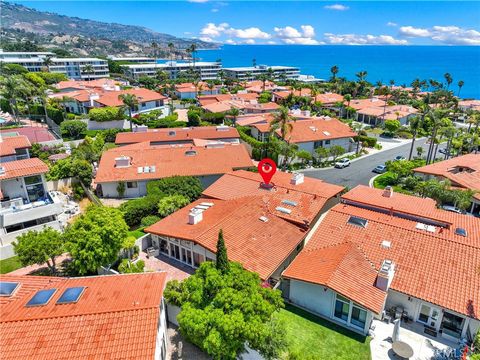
424 346
174 269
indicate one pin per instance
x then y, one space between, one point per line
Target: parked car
399 157
380 169
340 164
452 209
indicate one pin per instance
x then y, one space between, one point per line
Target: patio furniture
430 331
402 349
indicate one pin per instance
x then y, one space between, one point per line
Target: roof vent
357 221
208 204
425 227
2 170
283 210
313 128
289 202
190 153
388 191
263 218
195 216
122 161
297 178
172 133
386 244
146 169
326 133
223 128
139 170
385 275
152 168
461 232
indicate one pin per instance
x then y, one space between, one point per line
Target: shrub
387 179
52 78
367 140
214 118
109 135
137 209
193 118
74 129
78 192
128 267
188 186
108 113
149 220
169 204
404 134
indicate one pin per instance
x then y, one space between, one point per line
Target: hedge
369 141
108 113
53 113
137 209
248 139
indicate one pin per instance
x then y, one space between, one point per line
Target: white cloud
206 39
337 7
198 1
249 33
291 35
213 30
450 35
230 42
249 41
215 10
391 23
410 31
271 42
356 39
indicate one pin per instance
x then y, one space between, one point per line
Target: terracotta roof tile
8 144
116 317
178 134
259 246
329 98
171 161
26 167
318 129
332 266
110 98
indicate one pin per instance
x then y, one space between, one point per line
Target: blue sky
291 22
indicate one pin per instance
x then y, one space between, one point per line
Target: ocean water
400 63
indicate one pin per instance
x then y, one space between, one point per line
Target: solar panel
7 288
41 297
353 220
71 295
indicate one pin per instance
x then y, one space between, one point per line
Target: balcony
18 211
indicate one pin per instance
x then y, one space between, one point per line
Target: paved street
360 171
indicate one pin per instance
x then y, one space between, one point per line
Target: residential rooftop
9 144
116 316
20 168
315 129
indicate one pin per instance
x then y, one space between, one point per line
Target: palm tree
13 89
88 70
155 48
448 79
415 124
460 85
47 62
234 112
210 86
171 49
348 98
334 70
221 75
131 102
361 75
283 122
192 50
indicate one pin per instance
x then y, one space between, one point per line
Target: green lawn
10 264
136 233
310 337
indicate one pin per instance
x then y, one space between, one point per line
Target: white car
343 163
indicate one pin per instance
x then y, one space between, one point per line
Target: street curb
372 179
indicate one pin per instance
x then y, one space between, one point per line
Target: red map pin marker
267 168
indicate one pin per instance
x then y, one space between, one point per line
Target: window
132 185
8 288
327 142
317 144
197 259
452 324
359 317
35 189
71 295
31 180
342 308
163 246
41 297
353 220
461 232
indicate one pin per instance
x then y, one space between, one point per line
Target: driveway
360 170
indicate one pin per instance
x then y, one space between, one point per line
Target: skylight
357 221
41 297
283 210
289 202
8 288
71 295
461 232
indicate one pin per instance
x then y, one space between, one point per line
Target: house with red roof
95 317
136 164
462 171
264 227
379 253
14 148
25 202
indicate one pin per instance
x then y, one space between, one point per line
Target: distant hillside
82 36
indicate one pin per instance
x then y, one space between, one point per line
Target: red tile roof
171 161
331 266
329 98
359 104
76 84
178 134
318 129
250 119
8 144
439 267
110 98
117 316
20 168
462 171
259 246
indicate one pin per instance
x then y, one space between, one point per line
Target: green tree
128 267
221 312
107 113
419 151
401 168
95 238
131 103
188 186
336 151
334 70
392 126
39 247
460 85
83 170
415 124
169 204
193 118
304 155
322 154
222 263
73 129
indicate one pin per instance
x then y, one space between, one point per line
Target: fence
91 196
56 185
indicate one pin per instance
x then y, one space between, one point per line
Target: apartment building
134 59
248 73
205 70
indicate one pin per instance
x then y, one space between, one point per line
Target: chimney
92 97
195 216
385 275
297 178
388 191
122 161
